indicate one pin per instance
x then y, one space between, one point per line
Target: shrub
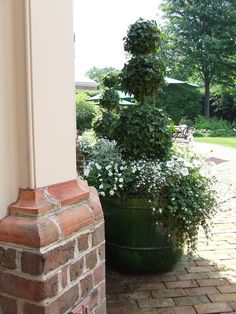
85 112
212 127
181 105
224 104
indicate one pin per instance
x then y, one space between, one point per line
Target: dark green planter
134 242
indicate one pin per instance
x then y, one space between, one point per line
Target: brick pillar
52 254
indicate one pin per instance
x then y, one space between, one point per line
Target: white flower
184 172
86 171
98 166
108 167
100 186
111 192
110 173
121 180
102 193
121 186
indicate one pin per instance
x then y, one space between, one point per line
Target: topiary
143 76
143 37
143 132
109 99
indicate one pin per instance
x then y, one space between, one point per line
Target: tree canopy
203 36
97 74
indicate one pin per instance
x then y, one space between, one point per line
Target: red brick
182 284
99 273
91 259
139 295
24 231
152 303
168 293
200 269
69 192
101 308
32 202
222 297
190 300
101 252
86 285
102 292
96 207
176 310
98 235
213 308
37 263
201 291
74 219
150 286
7 258
93 299
192 276
83 243
212 282
227 289
63 276
28 289
76 269
233 305
7 305
61 305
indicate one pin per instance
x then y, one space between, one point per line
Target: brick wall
53 262
80 161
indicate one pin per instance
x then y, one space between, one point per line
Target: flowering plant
180 190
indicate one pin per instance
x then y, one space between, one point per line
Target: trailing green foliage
143 37
180 190
85 111
143 132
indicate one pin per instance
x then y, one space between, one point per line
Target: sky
101 25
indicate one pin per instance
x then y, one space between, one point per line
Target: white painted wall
37 111
8 123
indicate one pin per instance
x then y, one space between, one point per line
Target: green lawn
224 141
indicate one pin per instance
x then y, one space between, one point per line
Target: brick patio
204 283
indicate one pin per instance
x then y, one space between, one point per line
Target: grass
223 141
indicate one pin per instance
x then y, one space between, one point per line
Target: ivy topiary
143 37
110 99
143 76
143 132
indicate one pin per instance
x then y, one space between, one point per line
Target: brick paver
203 283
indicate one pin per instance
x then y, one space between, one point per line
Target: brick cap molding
79 208
41 200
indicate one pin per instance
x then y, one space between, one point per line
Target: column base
52 251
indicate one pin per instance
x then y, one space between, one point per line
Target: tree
203 34
98 74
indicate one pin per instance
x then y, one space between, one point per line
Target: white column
37 106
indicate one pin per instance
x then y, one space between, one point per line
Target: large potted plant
154 198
